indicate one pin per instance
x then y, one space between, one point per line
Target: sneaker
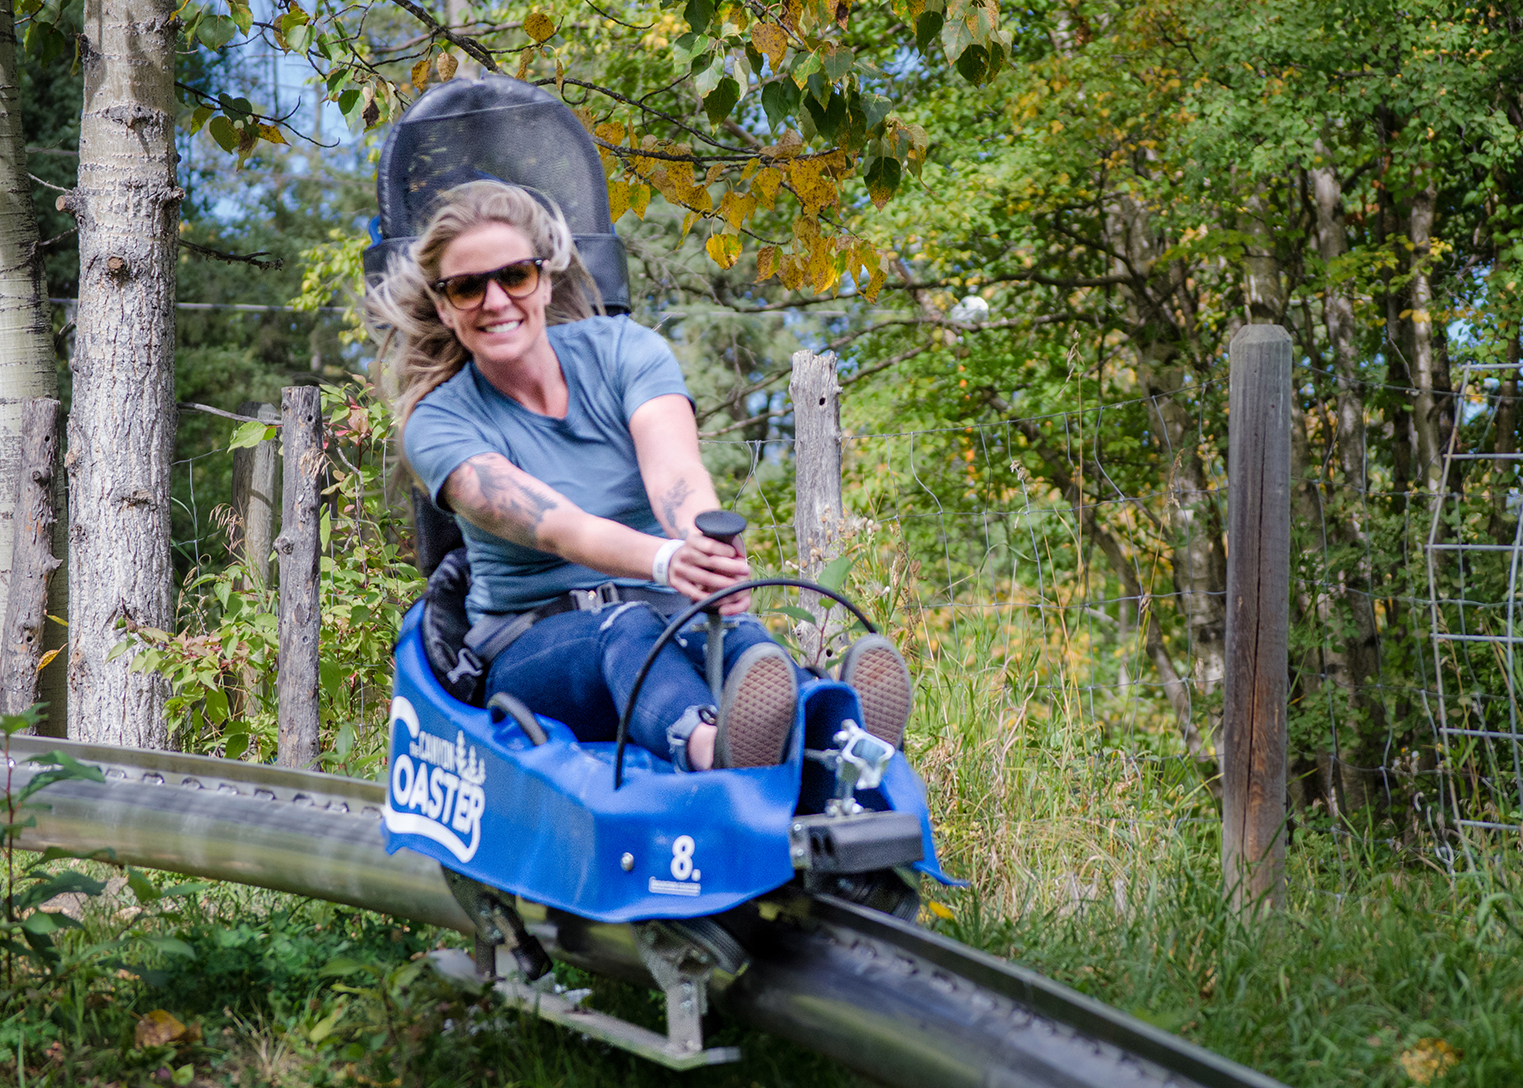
756 709
882 681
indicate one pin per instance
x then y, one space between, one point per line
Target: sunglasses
469 289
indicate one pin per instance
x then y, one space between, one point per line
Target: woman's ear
446 316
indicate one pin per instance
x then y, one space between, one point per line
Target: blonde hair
417 351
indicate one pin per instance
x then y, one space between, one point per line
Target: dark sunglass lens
518 279
465 290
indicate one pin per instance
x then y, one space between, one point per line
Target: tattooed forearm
671 502
511 509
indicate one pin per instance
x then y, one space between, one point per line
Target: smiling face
504 334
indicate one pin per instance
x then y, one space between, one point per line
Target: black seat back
437 532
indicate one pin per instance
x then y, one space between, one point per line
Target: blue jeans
579 668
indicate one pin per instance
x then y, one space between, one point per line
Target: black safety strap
492 634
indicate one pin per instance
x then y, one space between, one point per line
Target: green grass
1094 856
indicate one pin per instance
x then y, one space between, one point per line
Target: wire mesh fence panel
1472 565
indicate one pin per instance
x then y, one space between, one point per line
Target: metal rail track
879 995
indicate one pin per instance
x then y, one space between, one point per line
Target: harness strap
494 633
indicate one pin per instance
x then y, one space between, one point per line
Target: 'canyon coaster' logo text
435 789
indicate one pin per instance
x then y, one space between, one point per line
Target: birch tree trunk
27 367
122 422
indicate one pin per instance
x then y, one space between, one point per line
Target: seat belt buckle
467 666
596 599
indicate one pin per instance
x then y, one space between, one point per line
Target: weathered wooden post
816 395
1258 617
301 434
254 495
32 561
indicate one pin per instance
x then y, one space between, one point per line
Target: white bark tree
122 420
27 367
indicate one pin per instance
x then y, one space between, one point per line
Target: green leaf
215 31
67 881
794 612
40 923
325 1027
54 853
193 887
827 119
144 889
875 107
780 99
234 745
63 768
340 966
927 29
838 63
242 17
222 131
332 676
183 1075
834 572
170 946
251 433
699 14
973 64
710 77
216 706
718 104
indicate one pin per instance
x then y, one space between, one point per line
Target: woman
566 446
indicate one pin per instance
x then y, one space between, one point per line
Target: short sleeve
648 368
438 439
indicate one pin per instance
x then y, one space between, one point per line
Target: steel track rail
881 996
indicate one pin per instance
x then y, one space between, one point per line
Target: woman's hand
703 566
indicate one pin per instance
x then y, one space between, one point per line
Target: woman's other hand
703 566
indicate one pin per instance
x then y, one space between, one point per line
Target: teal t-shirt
612 366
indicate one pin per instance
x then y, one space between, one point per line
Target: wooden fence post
816 395
32 561
254 495
1258 617
301 435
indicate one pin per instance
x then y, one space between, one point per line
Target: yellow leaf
610 132
523 64
793 272
814 190
539 26
1427 1059
698 199
765 186
714 174
750 170
723 249
878 191
771 41
766 268
639 199
158 1028
47 658
874 285
446 66
272 134
735 209
938 910
687 223
420 72
822 268
618 198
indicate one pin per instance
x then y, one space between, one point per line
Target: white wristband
661 567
